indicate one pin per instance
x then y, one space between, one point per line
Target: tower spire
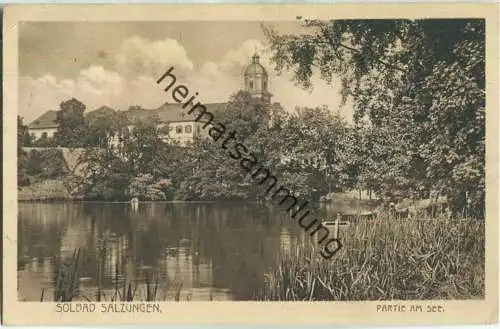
256 79
255 57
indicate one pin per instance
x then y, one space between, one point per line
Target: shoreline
54 190
77 200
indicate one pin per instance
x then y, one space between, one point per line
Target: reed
67 283
387 260
66 279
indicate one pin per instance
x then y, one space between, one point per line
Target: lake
199 251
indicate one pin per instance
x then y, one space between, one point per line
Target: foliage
209 172
46 164
23 136
37 164
142 145
418 91
44 190
71 130
144 187
135 167
314 159
104 126
103 175
44 141
22 178
313 137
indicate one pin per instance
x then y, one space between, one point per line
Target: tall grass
387 260
66 278
67 283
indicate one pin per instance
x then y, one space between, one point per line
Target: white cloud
138 62
99 84
145 92
139 56
38 95
218 80
210 71
128 82
241 55
94 86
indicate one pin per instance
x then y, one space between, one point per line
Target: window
44 135
251 84
188 129
198 129
265 85
178 129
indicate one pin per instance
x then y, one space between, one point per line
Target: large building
45 126
173 120
175 124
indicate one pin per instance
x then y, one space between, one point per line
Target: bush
44 142
46 164
144 187
22 176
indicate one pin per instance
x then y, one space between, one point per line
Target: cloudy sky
117 64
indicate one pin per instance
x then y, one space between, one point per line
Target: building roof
102 111
45 121
170 112
255 67
166 113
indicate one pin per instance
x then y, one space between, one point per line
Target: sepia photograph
294 158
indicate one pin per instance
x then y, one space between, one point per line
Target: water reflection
214 251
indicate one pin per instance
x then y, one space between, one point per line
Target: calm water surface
207 251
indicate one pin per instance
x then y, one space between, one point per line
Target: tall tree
312 155
72 130
23 136
114 171
211 173
142 145
104 125
419 82
22 178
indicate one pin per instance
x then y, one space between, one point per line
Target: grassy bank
46 190
387 260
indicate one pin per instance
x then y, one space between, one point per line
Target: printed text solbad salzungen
248 161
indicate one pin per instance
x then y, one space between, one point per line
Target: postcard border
362 313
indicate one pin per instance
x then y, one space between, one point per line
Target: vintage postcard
250 164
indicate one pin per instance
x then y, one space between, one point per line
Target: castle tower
256 80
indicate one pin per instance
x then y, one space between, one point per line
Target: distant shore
54 190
